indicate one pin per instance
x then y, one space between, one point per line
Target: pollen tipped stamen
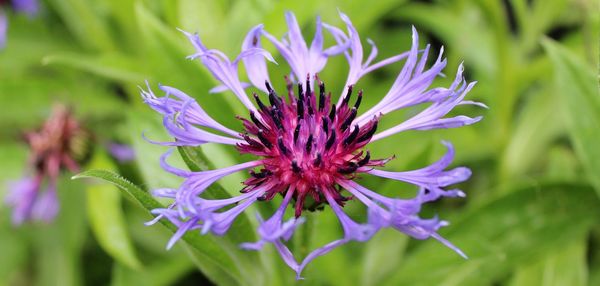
260 175
263 139
369 134
332 113
308 90
259 102
321 95
300 109
300 93
296 133
351 168
309 144
268 86
349 120
276 115
348 95
365 160
282 147
351 136
256 121
274 99
295 167
358 99
252 142
325 124
290 88
318 160
330 141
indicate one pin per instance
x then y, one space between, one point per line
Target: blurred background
531 216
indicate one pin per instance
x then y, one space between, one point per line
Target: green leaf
106 217
221 258
111 66
163 271
13 246
532 135
194 158
577 90
85 23
58 246
382 255
517 228
564 266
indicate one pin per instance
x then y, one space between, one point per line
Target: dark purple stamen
263 139
296 132
295 167
369 134
365 160
282 147
330 141
321 95
351 136
349 120
332 113
359 99
309 143
348 95
260 104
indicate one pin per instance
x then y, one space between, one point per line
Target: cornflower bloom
56 146
29 7
309 148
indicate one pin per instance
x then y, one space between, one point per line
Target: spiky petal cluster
55 147
307 146
29 7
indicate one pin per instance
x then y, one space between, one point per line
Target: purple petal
431 117
21 198
46 206
29 7
122 152
256 66
3 29
221 68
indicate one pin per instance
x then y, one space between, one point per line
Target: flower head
56 146
310 148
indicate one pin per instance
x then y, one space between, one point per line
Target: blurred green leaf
221 258
532 135
59 245
194 158
514 229
165 272
85 23
382 255
577 90
14 249
204 244
565 266
106 217
111 66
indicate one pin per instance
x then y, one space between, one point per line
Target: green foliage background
531 216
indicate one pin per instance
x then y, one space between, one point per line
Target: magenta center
308 144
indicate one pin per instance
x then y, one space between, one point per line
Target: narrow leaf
216 252
577 90
106 217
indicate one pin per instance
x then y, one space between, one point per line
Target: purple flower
309 146
29 7
3 28
54 147
122 152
